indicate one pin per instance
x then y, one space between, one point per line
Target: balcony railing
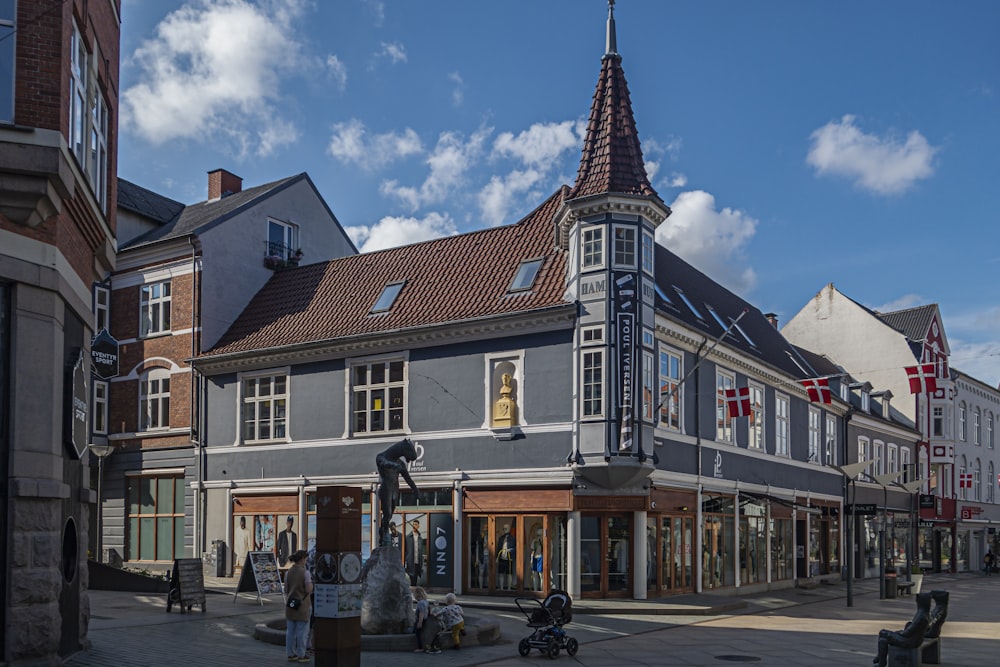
279 256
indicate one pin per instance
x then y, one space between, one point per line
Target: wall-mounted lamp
683 508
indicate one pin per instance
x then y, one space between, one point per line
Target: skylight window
688 303
743 333
663 295
388 297
715 315
526 274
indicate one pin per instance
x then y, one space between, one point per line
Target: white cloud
210 70
712 241
652 168
882 165
901 303
350 143
394 51
378 10
503 192
337 71
458 92
677 180
542 144
671 149
390 232
449 161
980 360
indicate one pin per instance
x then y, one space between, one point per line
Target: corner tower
607 224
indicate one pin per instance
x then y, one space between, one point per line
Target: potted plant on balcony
295 258
274 262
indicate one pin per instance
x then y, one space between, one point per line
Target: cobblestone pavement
807 627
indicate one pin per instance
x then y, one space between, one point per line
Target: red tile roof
452 279
612 157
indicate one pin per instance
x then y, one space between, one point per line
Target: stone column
573 554
640 556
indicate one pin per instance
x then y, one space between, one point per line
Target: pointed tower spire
612 157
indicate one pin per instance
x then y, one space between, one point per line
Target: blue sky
798 143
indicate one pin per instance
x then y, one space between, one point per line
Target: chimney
222 183
772 318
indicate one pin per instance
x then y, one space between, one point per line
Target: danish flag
923 378
965 480
738 402
818 389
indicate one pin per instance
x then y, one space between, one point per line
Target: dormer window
282 240
388 297
865 401
526 274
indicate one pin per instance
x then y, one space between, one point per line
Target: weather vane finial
612 45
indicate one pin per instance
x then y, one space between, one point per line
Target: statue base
386 600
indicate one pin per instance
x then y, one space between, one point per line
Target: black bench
905 587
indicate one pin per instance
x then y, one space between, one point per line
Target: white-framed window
8 16
100 416
378 390
963 491
989 430
647 253
593 382
154 400
977 429
830 451
592 335
97 167
781 425
102 302
977 481
909 474
865 454
937 421
78 71
814 434
648 340
893 464
624 246
756 418
723 422
991 483
592 242
879 467
154 308
265 407
282 239
962 433
866 401
670 401
648 386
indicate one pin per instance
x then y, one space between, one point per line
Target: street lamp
852 471
884 481
101 451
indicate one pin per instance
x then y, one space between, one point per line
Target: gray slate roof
147 203
912 322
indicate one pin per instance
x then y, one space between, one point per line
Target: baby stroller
548 619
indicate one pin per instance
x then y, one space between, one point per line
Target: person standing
298 603
988 561
288 542
423 614
414 552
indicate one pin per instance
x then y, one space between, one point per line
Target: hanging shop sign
104 355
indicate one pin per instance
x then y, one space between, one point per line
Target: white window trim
720 403
102 311
100 415
635 246
782 447
865 454
815 442
603 383
678 397
830 441
146 306
892 458
649 373
761 419
977 428
158 374
349 394
603 244
290 238
878 452
648 242
240 398
596 340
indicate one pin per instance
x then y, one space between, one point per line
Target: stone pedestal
386 600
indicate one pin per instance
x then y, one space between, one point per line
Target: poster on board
260 573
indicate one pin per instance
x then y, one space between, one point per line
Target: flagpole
701 358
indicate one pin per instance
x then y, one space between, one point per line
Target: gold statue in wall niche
505 409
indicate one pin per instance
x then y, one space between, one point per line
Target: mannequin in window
537 564
505 409
506 560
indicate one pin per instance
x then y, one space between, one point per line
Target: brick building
58 146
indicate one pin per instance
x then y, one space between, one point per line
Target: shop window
155 517
265 407
379 396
